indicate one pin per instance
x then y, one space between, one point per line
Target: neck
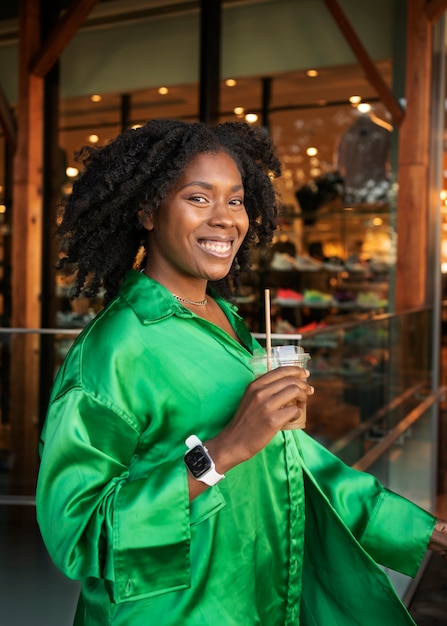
186 293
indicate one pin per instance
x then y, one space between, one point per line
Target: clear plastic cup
280 356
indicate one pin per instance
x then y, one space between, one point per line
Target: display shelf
350 279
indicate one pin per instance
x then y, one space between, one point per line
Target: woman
254 524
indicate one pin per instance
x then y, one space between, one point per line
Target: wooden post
26 255
434 9
35 61
414 138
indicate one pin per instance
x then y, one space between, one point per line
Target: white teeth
219 248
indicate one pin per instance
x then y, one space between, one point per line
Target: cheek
244 224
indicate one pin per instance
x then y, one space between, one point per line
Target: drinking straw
268 330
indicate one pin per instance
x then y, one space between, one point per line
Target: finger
271 398
284 371
275 381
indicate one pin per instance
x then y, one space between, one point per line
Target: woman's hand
438 540
268 404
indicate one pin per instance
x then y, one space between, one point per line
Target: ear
146 220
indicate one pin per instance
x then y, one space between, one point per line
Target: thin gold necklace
180 299
186 301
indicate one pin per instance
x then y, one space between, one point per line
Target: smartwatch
199 463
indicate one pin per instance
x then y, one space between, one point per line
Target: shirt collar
152 302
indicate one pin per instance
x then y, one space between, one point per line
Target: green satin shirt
289 537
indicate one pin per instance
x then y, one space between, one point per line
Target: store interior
332 250
329 270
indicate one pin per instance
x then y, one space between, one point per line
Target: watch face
197 461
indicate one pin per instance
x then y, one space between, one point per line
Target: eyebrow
205 185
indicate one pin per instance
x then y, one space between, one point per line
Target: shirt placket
297 520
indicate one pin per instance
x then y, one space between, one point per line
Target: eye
198 199
237 202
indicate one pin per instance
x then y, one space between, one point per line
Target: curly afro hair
99 230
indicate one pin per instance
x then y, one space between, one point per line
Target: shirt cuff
398 533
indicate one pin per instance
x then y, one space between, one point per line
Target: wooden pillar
414 138
35 62
26 253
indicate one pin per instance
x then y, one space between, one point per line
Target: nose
222 215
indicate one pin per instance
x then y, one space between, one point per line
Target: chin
219 274
216 277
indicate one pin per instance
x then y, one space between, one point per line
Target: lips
217 248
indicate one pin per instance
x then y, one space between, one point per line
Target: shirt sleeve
94 519
394 531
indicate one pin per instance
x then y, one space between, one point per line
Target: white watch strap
212 477
192 441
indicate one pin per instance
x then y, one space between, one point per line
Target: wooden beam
60 37
7 121
26 253
413 163
373 75
434 9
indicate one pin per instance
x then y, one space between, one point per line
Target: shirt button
129 586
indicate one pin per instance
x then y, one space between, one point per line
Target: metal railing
395 433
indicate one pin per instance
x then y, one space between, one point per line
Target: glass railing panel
29 360
407 468
368 374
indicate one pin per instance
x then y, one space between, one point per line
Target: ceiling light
251 118
311 151
72 172
2 208
312 73
355 99
238 110
364 107
93 138
96 97
230 82
163 91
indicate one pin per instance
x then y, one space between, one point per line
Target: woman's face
197 231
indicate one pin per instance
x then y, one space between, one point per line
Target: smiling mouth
217 248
